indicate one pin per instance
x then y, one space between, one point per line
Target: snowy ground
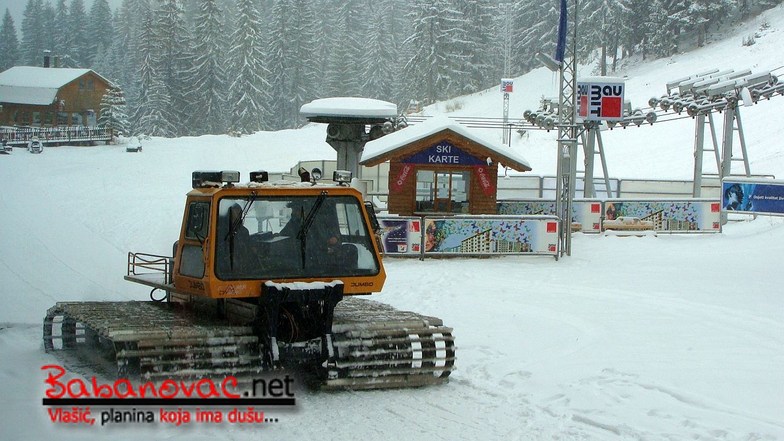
654 338
669 337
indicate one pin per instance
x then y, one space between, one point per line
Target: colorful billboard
586 213
688 215
401 235
761 196
470 235
491 235
694 215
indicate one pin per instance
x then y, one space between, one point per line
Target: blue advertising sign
753 196
444 153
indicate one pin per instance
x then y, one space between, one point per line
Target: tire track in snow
608 402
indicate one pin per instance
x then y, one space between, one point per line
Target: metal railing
140 264
20 136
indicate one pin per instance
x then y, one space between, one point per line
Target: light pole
566 61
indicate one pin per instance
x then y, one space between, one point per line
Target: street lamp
548 61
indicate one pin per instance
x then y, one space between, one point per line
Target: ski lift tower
565 63
352 122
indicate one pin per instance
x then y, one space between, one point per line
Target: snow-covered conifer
247 90
9 42
209 89
436 70
79 51
100 29
32 37
113 114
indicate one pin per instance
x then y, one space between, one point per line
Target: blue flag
561 47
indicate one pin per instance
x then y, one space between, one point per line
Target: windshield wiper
236 223
235 226
308 222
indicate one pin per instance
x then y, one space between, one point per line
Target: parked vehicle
134 145
35 146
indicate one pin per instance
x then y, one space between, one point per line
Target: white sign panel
507 86
600 99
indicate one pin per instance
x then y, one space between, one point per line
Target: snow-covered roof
348 107
35 85
382 148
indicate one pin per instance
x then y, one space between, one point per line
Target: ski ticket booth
441 167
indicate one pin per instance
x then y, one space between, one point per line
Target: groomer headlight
214 178
341 176
230 176
259 176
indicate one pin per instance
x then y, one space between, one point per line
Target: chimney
47 55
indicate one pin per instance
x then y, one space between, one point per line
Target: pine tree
175 61
535 28
380 57
636 30
247 90
322 50
659 40
113 114
32 38
343 74
79 51
61 30
124 57
209 88
748 7
153 103
304 71
603 21
437 68
478 45
100 29
278 61
9 43
47 22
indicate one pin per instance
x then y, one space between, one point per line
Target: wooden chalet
50 97
441 167
55 105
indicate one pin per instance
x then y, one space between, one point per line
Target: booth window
442 191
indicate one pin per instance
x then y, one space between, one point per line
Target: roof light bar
341 176
202 178
259 176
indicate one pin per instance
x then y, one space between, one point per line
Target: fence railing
20 136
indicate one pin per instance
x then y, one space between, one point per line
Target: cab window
198 224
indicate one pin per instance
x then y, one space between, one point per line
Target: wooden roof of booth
406 142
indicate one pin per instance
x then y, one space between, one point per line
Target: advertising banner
491 235
507 85
401 235
753 196
692 215
586 213
600 99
